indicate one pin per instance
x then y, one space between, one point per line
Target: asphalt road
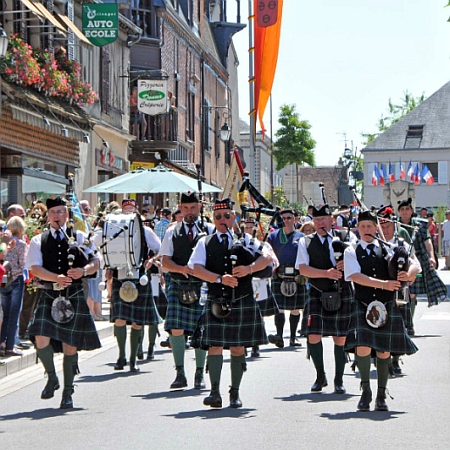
123 410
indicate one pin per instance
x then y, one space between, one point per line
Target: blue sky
340 62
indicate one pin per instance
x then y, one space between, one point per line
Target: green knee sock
293 324
70 369
135 339
316 352
121 335
413 302
363 363
238 367
178 349
383 371
339 361
214 365
152 333
46 356
200 358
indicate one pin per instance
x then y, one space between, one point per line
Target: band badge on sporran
62 310
376 314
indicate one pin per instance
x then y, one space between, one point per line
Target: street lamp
225 132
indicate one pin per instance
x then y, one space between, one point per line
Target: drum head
128 292
62 310
135 240
376 314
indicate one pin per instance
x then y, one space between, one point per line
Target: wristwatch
85 274
219 279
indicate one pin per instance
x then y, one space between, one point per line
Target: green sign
101 23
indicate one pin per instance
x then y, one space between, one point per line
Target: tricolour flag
375 175
427 175
402 171
382 175
410 172
391 173
416 174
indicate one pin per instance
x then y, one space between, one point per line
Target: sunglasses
219 216
287 218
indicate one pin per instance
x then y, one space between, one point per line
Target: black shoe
140 353
294 343
23 346
235 401
199 382
214 399
380 401
66 402
396 366
120 364
134 367
364 402
277 340
255 352
339 387
165 344
180 381
150 352
321 382
50 388
410 331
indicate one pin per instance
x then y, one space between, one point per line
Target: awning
74 28
32 8
46 13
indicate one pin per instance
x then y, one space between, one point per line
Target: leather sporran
221 308
187 293
288 287
331 301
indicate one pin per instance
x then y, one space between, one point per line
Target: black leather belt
47 286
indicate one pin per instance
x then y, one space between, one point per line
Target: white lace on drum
124 252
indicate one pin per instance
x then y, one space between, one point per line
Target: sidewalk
15 363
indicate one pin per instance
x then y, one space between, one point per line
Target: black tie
190 234
371 249
58 236
224 240
325 244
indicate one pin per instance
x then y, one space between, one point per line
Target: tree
396 112
294 144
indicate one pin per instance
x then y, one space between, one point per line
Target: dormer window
414 136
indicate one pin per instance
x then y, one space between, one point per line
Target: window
414 136
190 128
143 14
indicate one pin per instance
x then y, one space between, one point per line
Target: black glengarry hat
190 197
407 202
225 203
320 212
56 201
367 215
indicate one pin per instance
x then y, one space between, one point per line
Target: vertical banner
234 181
101 23
152 97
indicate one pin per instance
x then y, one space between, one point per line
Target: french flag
416 174
410 172
375 175
391 173
382 175
402 172
427 175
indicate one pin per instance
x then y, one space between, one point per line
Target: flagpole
271 153
251 85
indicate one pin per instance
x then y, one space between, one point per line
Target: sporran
288 287
331 301
62 310
376 314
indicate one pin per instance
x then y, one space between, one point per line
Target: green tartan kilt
392 337
179 316
269 306
80 332
429 283
142 311
297 301
317 320
243 327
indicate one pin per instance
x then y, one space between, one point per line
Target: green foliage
396 112
294 144
279 197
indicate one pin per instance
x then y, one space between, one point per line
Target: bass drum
124 250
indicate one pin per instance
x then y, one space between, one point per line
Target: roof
433 113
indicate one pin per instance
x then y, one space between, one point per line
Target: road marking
441 316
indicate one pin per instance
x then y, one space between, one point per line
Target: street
117 409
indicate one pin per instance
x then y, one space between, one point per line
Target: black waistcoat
374 266
54 254
218 261
319 258
182 248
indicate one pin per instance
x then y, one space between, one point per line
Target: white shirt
34 257
302 252
446 230
153 241
167 243
199 254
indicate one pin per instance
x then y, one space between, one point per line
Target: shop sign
106 158
152 97
101 23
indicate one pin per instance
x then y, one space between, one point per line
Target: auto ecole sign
101 23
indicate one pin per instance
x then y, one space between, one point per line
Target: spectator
446 240
423 213
432 227
308 228
163 223
12 293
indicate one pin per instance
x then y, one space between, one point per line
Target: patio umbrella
151 181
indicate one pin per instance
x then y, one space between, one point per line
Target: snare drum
125 249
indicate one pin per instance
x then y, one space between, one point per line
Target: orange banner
267 28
